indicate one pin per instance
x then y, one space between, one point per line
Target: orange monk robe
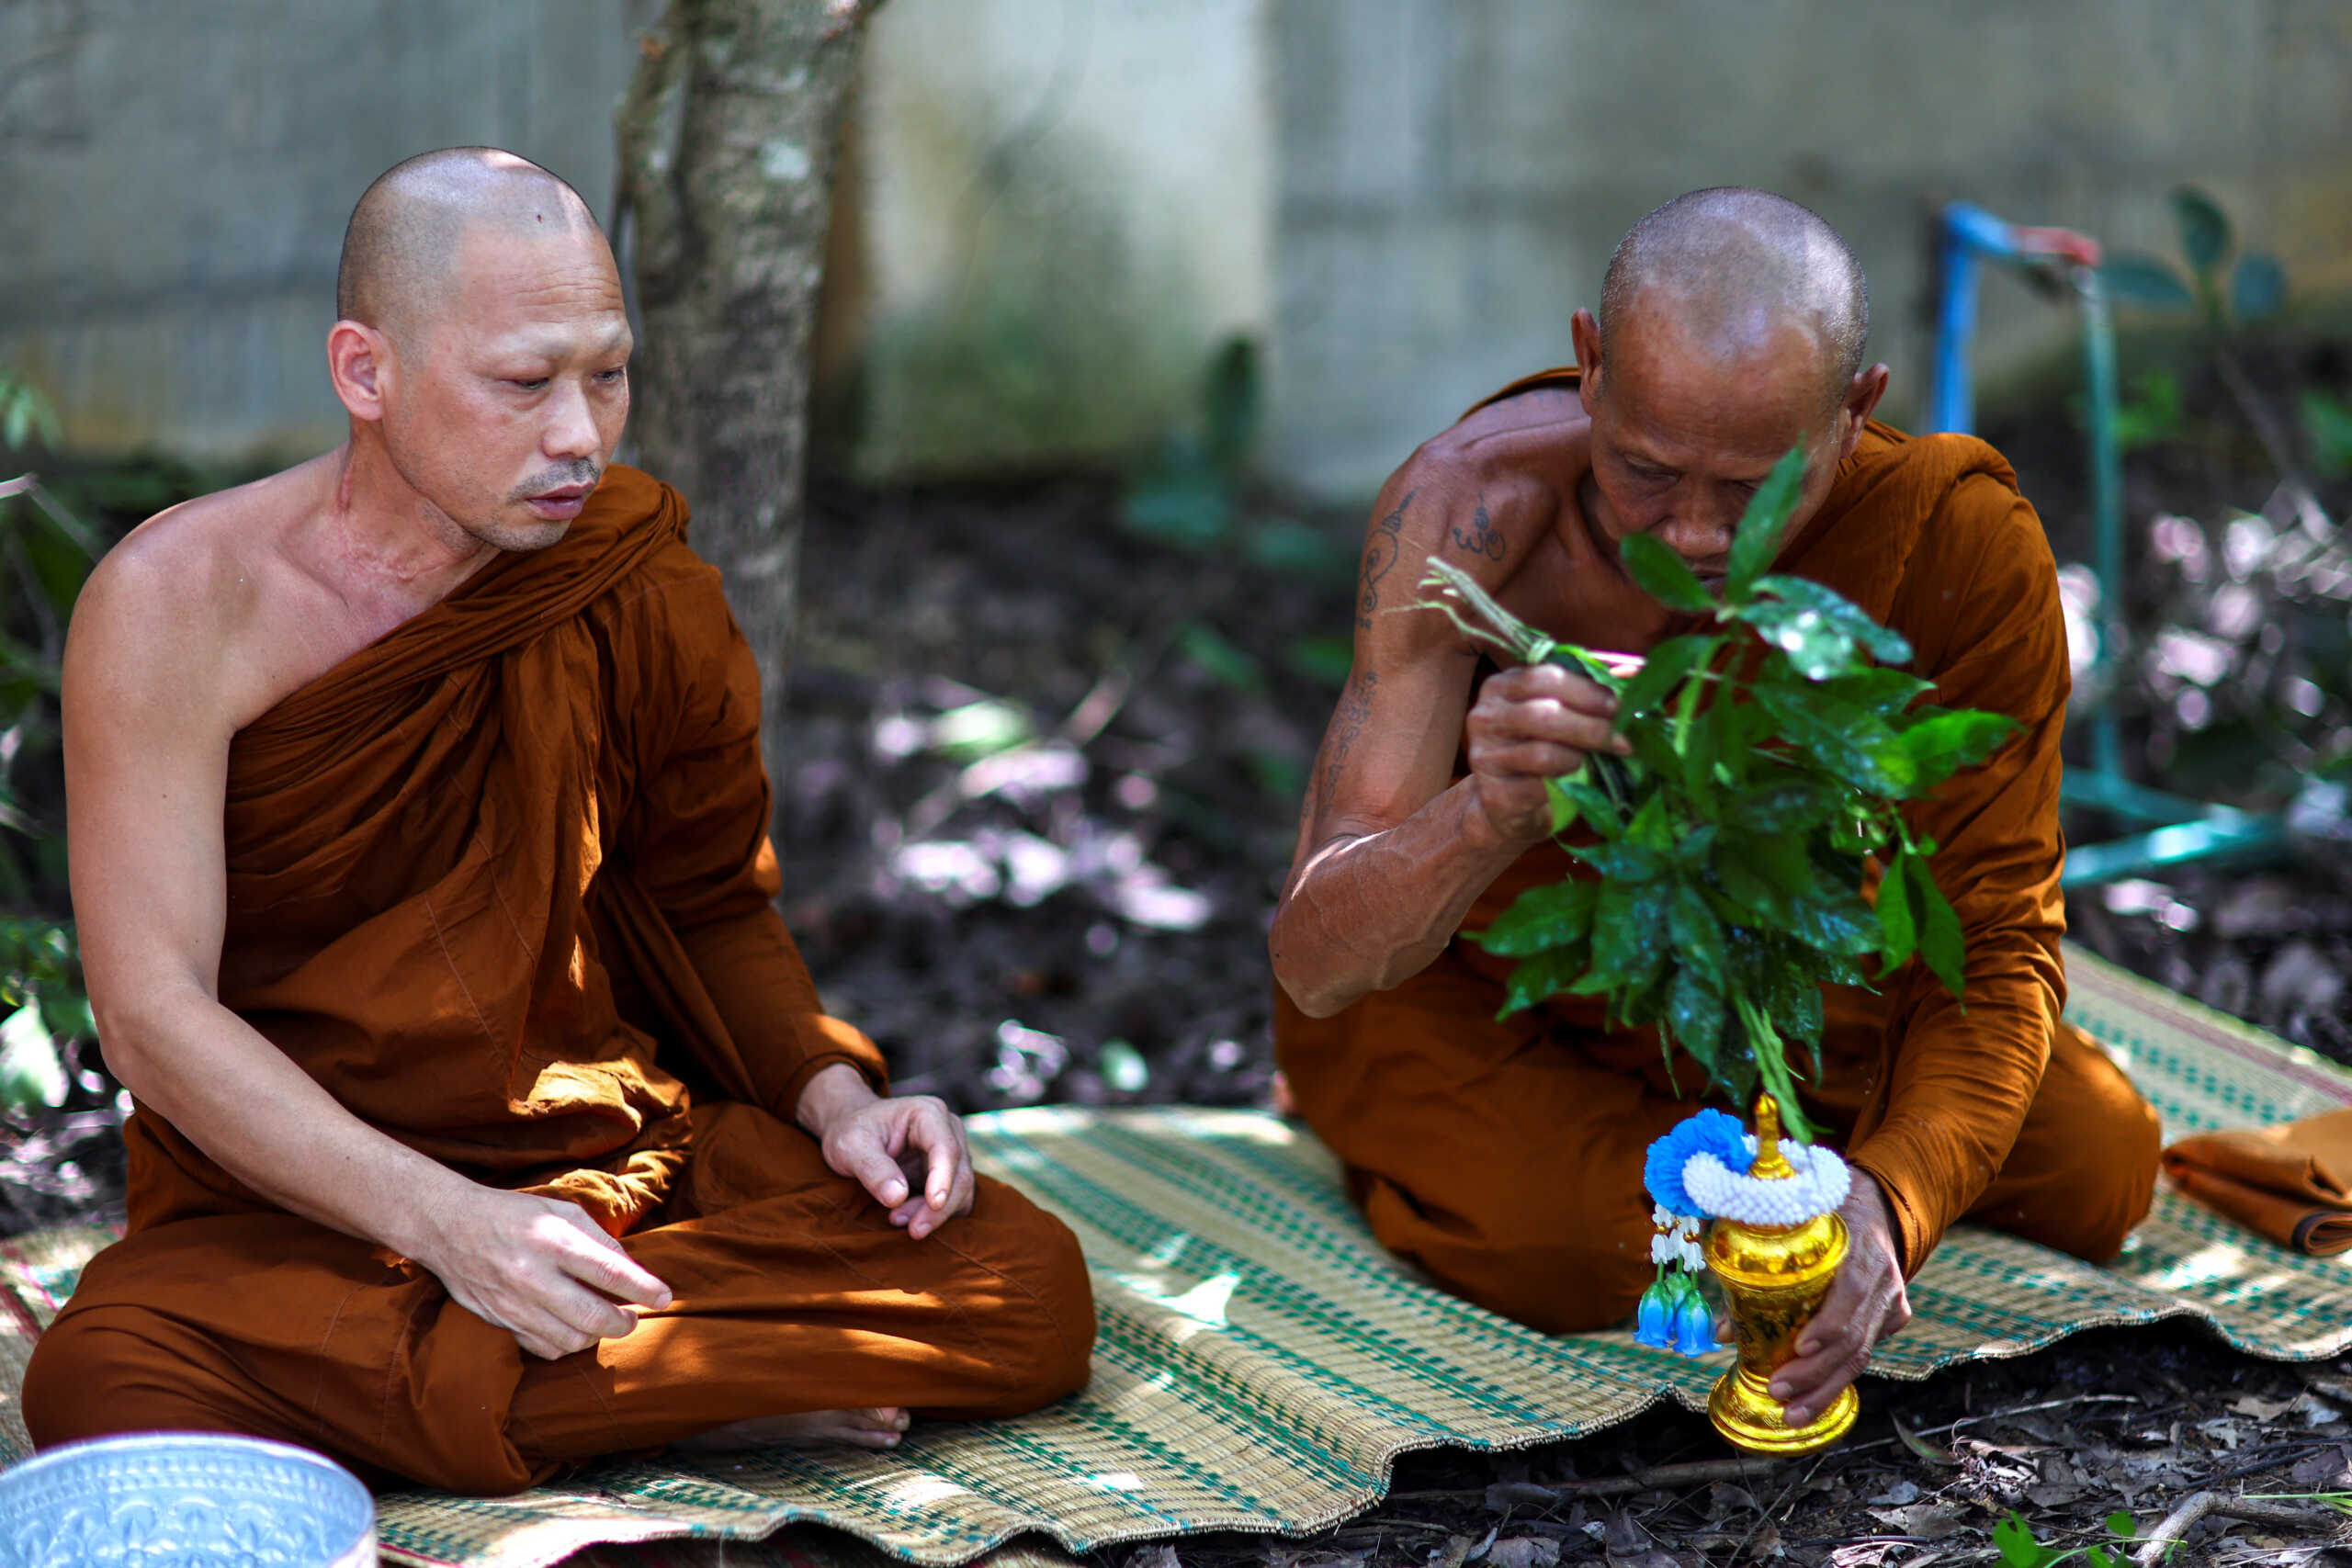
1505 1157
501 883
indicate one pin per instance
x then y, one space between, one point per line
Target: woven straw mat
1263 1361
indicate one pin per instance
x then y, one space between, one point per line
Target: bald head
401 245
1734 268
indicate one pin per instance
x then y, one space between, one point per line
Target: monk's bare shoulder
169 623
1485 495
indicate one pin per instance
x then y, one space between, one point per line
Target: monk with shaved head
1504 1155
487 1121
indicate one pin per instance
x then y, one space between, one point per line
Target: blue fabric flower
1654 1324
1694 1327
1710 1133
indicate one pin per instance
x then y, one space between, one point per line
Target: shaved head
1734 268
401 245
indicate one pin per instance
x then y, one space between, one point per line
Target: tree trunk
727 140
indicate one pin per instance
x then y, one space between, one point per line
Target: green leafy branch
2014 1538
1771 751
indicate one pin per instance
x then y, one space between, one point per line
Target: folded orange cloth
2292 1183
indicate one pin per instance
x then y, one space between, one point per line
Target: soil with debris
1036 798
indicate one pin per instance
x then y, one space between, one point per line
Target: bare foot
878 1428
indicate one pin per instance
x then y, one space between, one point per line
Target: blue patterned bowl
186 1500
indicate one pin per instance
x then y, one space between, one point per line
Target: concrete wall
1055 209
1061 208
1455 172
174 179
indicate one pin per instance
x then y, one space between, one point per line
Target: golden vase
1774 1277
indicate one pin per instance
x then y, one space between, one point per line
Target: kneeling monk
1505 1155
487 1119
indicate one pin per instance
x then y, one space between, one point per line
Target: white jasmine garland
1676 1237
1819 1186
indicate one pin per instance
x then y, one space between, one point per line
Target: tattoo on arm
1484 538
1355 707
1379 556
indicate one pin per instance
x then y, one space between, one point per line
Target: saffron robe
1505 1155
501 882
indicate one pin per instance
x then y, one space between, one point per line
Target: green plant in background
2224 291
1190 498
2013 1539
1771 751
45 554
2252 289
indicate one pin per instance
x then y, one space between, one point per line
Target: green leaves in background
2256 288
1721 865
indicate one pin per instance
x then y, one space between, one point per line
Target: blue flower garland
1673 1313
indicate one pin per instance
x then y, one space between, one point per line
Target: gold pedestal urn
1774 1277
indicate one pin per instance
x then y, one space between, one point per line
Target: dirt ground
1036 798
1082 918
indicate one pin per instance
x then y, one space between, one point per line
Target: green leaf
2122 1526
2328 422
2204 230
30 1071
2097 1558
1668 665
1791 805
1545 974
980 729
1694 1016
1215 654
1941 945
1614 947
1885 644
1816 647
1230 403
1856 746
1834 922
1564 807
1757 540
1898 931
1623 861
1554 915
2014 1538
1664 575
1941 741
2257 288
1756 899
1697 935
2136 280
1324 659
1883 692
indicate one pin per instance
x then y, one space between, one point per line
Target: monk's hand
908 1152
1866 1302
1530 724
539 1268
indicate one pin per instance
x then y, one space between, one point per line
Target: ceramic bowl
185 1499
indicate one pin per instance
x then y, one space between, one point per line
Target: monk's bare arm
150 694
1392 850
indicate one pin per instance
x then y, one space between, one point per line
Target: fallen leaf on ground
1454 1553
1922 1521
1524 1551
1505 1495
2261 1409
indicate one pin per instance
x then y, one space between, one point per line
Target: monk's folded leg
2083 1170
1499 1159
794 1293
277 1327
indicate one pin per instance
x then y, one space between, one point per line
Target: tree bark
727 141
